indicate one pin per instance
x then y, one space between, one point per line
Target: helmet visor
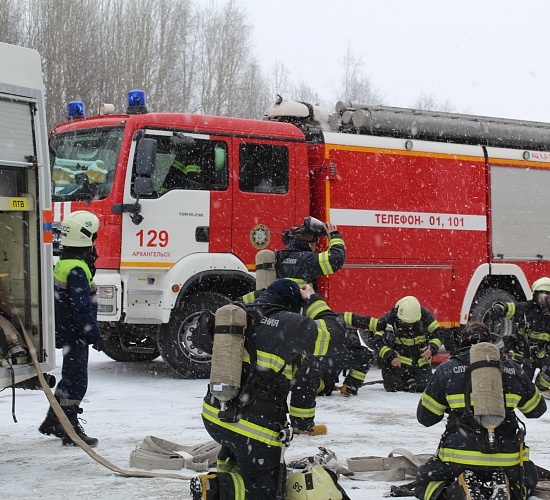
542 300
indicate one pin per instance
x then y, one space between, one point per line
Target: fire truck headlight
106 300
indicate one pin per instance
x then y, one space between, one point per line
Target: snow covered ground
128 401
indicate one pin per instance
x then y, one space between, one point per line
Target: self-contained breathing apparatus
232 335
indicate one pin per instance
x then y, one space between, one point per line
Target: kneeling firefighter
246 412
482 453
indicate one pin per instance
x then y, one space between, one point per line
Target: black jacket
404 343
464 442
298 261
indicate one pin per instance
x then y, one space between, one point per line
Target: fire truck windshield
83 163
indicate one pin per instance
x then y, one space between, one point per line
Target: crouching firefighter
482 453
246 412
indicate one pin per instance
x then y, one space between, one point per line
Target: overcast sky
486 57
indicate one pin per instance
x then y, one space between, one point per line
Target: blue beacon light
76 110
136 102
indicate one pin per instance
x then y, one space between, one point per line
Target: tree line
189 56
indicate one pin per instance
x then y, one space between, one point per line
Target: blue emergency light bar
76 110
136 102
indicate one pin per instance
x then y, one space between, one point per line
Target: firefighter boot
499 483
348 390
67 441
314 430
51 425
205 487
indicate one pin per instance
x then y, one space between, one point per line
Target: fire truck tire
481 311
176 338
111 347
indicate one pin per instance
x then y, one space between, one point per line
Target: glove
381 325
498 310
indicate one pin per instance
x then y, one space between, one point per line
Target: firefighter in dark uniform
355 359
531 344
249 461
299 261
75 319
406 346
464 451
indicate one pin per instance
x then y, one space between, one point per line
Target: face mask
542 299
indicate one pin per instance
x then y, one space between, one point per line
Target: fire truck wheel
481 311
176 340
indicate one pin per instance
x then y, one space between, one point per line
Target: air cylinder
488 396
227 352
265 269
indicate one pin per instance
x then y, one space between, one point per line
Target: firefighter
531 347
405 347
465 450
299 261
355 358
181 175
75 319
250 461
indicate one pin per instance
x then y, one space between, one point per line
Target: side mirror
143 186
146 157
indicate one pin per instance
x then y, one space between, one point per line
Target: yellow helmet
541 285
409 309
78 229
315 484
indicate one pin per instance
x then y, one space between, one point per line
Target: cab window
186 163
263 168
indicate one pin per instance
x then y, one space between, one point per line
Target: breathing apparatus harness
469 424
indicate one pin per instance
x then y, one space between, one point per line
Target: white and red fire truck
450 208
26 264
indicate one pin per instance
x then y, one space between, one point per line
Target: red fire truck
450 208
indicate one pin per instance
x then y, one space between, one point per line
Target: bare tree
223 51
430 103
355 86
11 22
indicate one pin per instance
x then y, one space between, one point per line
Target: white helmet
541 285
78 229
408 309
313 485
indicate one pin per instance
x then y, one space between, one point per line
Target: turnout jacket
533 325
279 341
299 262
75 303
405 343
463 442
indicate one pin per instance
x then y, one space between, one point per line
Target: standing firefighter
532 322
75 319
411 338
251 425
482 453
300 262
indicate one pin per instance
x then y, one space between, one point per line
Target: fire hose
69 430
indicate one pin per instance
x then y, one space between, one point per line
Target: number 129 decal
153 238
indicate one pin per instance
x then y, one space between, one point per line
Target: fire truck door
264 197
175 218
